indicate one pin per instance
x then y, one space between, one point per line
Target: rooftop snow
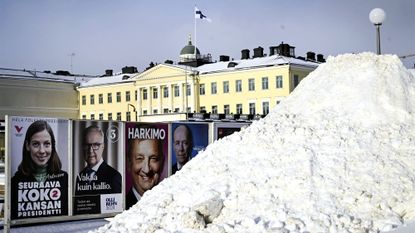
38 75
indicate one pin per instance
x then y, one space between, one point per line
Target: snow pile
336 156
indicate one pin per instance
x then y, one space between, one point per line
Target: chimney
108 73
272 50
129 70
223 58
245 54
285 50
258 52
320 58
311 56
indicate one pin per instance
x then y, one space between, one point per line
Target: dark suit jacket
174 169
130 199
107 180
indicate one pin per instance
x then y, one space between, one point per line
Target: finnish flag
200 15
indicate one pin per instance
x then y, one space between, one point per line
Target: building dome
187 54
189 49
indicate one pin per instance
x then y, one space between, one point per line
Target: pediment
161 71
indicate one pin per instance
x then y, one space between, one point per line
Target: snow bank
336 156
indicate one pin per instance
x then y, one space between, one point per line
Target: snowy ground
337 155
81 226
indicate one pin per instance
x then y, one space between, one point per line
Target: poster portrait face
40 147
146 158
145 163
187 140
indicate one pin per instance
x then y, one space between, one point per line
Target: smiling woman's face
40 147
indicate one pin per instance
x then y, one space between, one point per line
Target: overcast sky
109 34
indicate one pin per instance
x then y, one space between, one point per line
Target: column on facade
138 102
150 100
161 94
183 92
171 96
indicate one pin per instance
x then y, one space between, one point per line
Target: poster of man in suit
146 158
97 165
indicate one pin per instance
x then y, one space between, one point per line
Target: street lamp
134 109
377 16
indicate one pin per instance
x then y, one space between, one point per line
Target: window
136 95
226 109
202 89
165 110
155 111
215 109
279 81
252 108
202 109
118 116
238 108
92 116
128 116
188 90
83 117
265 108
100 98
109 98
83 100
251 84
110 116
101 116
118 97
238 85
127 96
213 88
144 112
226 87
144 94
265 83
155 93
91 99
176 91
296 80
166 92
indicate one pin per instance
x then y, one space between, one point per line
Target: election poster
38 150
97 167
146 158
187 140
225 129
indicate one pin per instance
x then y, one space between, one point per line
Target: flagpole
195 30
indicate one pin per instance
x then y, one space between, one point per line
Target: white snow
266 61
337 155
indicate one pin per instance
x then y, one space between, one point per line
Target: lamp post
377 16
134 109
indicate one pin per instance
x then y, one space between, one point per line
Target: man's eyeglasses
94 146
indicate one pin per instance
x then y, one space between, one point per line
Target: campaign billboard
97 167
38 159
146 161
187 140
223 129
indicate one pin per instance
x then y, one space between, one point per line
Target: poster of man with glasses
97 152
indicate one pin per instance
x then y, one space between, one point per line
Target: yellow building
166 92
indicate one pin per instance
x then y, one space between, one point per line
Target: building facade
166 92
